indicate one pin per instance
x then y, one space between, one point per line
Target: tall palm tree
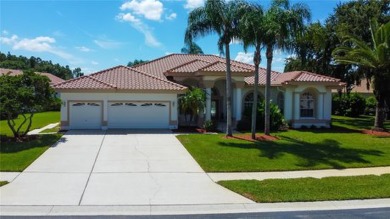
220 17
282 23
192 48
252 34
375 57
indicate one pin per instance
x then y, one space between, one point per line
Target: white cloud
137 24
191 4
244 57
83 49
37 44
150 9
5 32
9 40
172 16
107 44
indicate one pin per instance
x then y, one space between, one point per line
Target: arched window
280 101
307 105
248 101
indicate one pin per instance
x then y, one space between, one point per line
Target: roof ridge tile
105 83
187 63
155 77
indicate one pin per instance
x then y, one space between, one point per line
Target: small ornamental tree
22 96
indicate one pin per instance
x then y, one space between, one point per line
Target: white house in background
146 95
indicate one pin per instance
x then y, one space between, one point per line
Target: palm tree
192 48
252 34
220 17
192 103
375 57
282 23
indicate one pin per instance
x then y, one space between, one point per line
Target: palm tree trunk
256 61
269 55
229 131
379 113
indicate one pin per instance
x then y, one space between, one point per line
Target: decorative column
238 103
208 103
320 106
297 106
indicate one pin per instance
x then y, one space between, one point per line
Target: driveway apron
117 167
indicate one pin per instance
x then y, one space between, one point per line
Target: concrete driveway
116 168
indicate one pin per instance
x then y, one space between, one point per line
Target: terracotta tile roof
220 66
161 65
189 67
295 76
312 77
262 77
120 78
12 72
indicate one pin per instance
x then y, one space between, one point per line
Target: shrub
210 125
352 105
276 118
370 106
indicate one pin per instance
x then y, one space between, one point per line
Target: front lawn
17 156
362 122
296 150
311 189
39 120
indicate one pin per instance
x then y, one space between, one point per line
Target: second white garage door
138 115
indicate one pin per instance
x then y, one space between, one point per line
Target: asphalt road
372 213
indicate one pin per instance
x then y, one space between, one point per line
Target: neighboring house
146 95
12 72
361 89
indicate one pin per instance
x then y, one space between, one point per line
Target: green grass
55 129
2 183
296 150
39 120
17 156
310 189
362 122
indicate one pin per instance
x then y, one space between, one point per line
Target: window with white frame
248 101
307 105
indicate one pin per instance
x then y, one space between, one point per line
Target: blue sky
98 34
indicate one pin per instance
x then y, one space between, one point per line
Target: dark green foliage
210 125
276 123
192 103
24 95
314 47
35 64
352 105
136 62
77 73
191 48
370 105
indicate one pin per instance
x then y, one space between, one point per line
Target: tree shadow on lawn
327 152
40 141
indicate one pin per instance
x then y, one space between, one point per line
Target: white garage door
85 115
138 115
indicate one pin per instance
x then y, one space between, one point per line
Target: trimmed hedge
352 105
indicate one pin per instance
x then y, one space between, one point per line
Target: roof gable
120 78
162 65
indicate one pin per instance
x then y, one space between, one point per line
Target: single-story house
146 95
12 72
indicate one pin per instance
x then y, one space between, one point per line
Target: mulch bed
189 130
376 133
248 137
